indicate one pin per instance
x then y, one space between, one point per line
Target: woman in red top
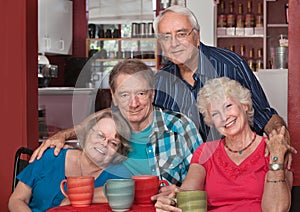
234 171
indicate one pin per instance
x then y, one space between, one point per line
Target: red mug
80 190
145 187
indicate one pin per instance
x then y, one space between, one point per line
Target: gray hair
218 88
180 10
122 127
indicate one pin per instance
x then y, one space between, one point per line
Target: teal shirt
137 161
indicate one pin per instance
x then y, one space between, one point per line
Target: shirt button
150 150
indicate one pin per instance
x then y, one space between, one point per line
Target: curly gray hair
218 88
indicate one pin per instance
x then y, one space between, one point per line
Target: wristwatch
275 166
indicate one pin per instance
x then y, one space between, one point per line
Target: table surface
103 207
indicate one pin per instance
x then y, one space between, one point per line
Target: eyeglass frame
179 33
102 138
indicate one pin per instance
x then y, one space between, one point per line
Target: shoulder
172 116
175 121
205 151
220 53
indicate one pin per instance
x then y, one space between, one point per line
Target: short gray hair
218 88
180 10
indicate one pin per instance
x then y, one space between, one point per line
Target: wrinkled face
177 38
101 142
134 99
228 115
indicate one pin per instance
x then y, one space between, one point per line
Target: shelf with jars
252 29
109 51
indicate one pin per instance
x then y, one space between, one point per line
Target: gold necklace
241 150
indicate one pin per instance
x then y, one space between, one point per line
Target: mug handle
104 190
62 187
163 181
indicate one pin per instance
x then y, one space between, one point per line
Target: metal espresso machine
46 71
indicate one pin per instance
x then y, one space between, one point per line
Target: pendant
240 152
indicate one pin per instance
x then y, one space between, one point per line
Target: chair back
21 161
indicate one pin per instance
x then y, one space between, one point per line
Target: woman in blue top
103 141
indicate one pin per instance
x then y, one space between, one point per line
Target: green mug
191 201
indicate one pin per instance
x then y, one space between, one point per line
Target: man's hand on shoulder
57 141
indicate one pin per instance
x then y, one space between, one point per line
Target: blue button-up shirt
174 93
173 140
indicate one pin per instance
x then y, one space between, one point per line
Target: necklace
241 150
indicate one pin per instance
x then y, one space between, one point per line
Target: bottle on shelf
250 60
259 20
231 18
243 51
222 18
259 60
232 48
240 19
249 17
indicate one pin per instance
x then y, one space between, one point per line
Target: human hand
291 150
169 190
57 141
164 201
277 143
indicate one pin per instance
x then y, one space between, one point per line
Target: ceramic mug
190 201
145 187
80 190
119 193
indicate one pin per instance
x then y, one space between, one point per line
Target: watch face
275 166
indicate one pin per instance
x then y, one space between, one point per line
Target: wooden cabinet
246 40
55 22
108 51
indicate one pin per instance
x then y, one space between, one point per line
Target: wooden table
103 207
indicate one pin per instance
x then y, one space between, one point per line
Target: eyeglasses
180 36
125 97
111 142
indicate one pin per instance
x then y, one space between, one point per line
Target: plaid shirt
213 62
173 140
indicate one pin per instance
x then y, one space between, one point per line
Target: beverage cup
80 190
190 201
145 187
119 193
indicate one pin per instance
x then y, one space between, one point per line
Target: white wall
204 10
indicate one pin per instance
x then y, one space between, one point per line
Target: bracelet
276 181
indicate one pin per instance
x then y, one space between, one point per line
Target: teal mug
119 193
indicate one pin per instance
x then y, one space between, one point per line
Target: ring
173 201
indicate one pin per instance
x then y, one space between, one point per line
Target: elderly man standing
191 64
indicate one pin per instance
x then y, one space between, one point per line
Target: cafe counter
62 107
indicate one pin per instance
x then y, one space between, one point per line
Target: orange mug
145 187
80 190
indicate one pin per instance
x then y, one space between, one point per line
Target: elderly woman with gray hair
234 171
103 139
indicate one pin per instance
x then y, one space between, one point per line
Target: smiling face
134 98
179 51
102 143
228 115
